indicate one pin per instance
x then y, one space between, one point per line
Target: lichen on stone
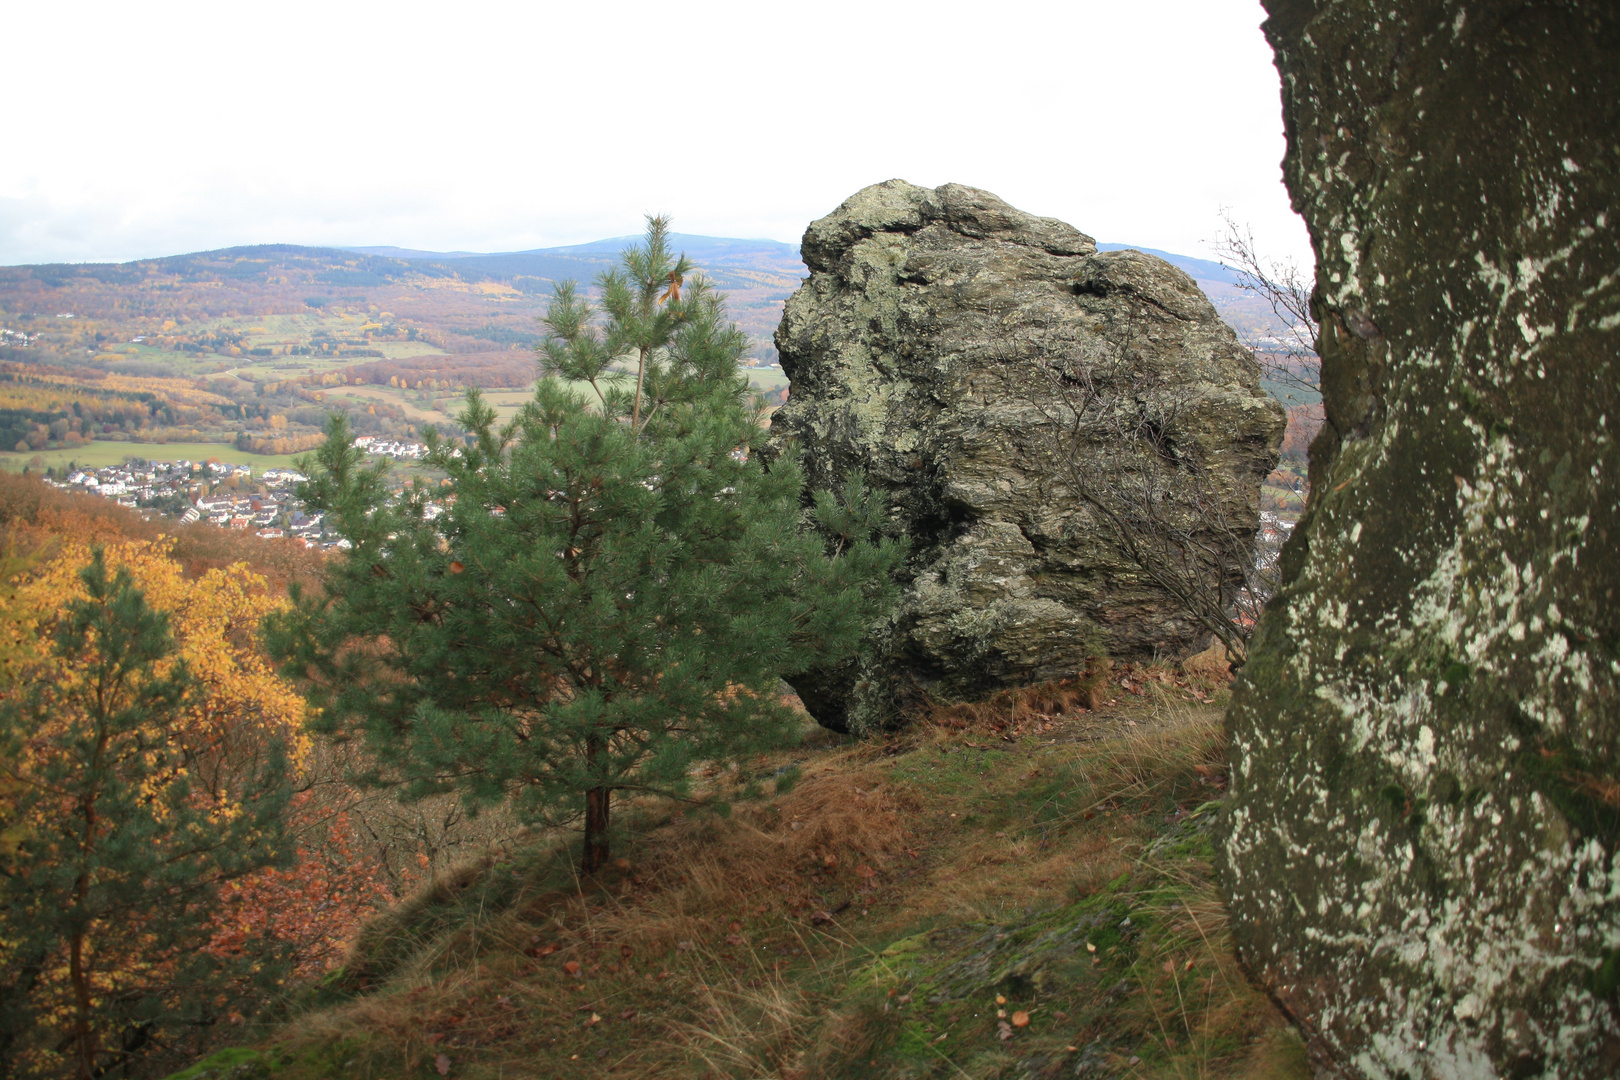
914 350
1421 851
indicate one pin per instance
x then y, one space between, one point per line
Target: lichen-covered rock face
912 349
1425 810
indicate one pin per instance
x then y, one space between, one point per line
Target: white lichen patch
1418 860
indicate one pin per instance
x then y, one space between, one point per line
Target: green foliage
114 846
610 598
668 337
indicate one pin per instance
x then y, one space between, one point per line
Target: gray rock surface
1425 808
915 350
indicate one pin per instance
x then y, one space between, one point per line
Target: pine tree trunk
597 804
84 1037
84 1040
641 371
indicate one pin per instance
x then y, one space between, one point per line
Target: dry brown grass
726 946
1021 705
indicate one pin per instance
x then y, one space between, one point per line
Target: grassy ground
99 454
1021 890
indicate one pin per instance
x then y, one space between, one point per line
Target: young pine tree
613 588
659 348
114 846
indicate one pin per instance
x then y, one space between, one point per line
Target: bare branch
1118 443
1288 358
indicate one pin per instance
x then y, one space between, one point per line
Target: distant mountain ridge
694 245
699 247
716 254
758 275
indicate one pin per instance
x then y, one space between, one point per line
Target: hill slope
1017 890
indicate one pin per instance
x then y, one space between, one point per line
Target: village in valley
224 494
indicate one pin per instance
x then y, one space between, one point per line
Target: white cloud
163 127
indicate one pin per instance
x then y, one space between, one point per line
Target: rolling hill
279 334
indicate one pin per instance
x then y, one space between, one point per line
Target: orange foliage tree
343 852
146 753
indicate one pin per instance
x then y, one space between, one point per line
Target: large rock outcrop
916 350
1425 812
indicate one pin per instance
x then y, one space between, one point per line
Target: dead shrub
831 822
1010 708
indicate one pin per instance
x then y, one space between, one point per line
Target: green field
98 455
766 378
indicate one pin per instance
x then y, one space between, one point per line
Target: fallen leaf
1020 1018
734 939
593 1020
829 861
442 1064
734 927
572 967
626 951
822 918
866 871
1005 1030
1090 947
628 1014
1168 967
685 946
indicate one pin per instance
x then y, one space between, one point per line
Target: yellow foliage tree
143 744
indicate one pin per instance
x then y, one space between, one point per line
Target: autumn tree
122 820
609 599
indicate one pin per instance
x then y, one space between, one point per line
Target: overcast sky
142 129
